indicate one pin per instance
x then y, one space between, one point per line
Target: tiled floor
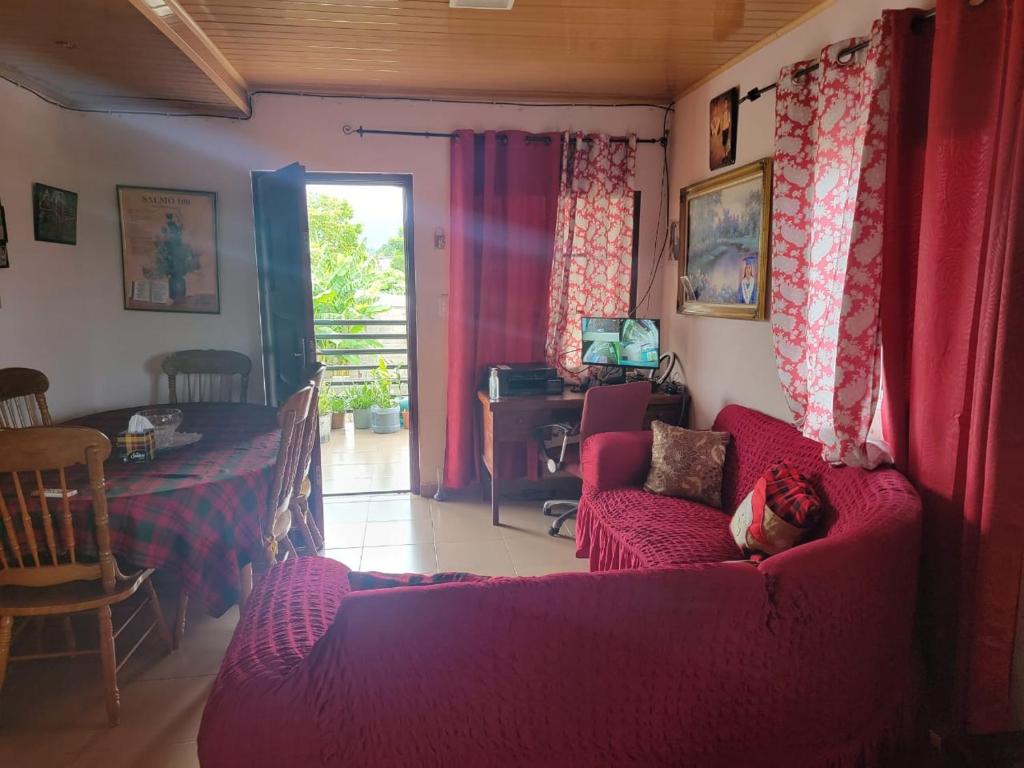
51 712
410 533
361 461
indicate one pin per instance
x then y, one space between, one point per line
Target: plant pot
177 287
361 418
386 420
338 420
325 428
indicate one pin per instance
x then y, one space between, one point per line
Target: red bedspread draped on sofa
504 194
953 326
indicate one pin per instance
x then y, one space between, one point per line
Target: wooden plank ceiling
583 50
101 54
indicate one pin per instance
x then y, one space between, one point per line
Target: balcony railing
352 356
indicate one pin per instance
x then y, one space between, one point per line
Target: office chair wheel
556 526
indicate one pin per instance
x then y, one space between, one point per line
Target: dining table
194 511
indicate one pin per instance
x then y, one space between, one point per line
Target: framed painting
54 215
169 249
723 122
724 230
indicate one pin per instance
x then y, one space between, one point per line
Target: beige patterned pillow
687 463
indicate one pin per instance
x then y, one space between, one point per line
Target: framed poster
724 119
54 215
724 230
169 249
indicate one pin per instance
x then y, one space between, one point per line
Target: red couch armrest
616 460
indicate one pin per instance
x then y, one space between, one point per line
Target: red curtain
953 339
504 195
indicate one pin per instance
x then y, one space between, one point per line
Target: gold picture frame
724 233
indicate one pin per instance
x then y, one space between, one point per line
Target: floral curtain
591 271
827 217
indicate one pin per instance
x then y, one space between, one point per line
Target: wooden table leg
495 484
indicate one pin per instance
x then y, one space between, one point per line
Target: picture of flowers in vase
169 249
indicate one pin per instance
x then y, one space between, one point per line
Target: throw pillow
376 580
781 510
687 463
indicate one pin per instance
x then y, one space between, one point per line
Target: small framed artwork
4 260
725 113
169 249
54 214
724 230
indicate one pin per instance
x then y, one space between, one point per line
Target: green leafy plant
386 381
324 399
362 397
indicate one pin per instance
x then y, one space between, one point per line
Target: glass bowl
165 423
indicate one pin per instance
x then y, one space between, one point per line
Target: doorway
363 300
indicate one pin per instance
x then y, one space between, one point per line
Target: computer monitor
621 342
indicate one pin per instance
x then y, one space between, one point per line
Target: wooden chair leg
180 618
290 547
158 616
307 526
108 657
6 625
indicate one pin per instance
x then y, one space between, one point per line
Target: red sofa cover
803 660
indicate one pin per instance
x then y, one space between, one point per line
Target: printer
512 379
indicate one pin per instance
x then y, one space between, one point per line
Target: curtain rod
755 93
360 131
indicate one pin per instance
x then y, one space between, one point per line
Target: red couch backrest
760 441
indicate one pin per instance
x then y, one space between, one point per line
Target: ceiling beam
175 23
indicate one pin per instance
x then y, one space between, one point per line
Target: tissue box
137 447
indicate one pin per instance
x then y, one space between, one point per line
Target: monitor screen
621 342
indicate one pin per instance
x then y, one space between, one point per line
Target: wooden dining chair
207 376
23 398
275 519
48 566
301 518
292 418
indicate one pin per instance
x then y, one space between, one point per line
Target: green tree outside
348 278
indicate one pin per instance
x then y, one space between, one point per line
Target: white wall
731 361
61 306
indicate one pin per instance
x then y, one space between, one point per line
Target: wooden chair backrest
38 545
312 431
291 418
207 375
23 398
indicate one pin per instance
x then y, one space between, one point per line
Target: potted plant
361 399
385 416
323 405
339 407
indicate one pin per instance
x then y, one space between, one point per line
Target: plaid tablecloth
194 511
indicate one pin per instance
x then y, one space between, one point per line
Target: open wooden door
286 294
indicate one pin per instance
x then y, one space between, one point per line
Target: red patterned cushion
376 580
777 514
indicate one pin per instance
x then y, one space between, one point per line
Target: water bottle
493 387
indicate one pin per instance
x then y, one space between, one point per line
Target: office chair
615 408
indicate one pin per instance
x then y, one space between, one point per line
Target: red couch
677 660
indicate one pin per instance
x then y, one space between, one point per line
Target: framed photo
724 119
169 249
724 231
54 215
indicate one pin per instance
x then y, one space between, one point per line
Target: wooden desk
516 419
